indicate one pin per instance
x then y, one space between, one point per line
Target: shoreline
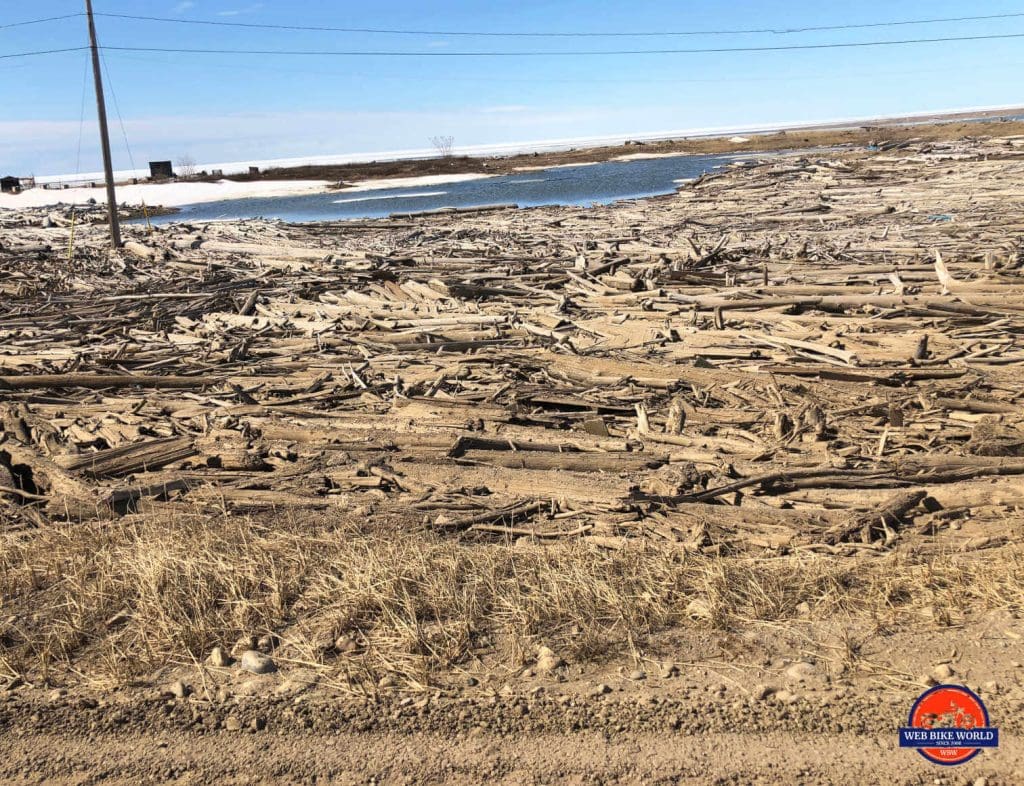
165 195
742 133
409 173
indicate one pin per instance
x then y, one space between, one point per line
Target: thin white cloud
250 9
183 6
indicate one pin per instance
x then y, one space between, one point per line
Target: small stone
601 690
800 671
257 662
290 686
943 672
638 675
57 694
387 681
927 680
547 660
698 609
670 670
472 682
991 687
178 689
231 723
980 782
219 658
786 697
803 609
258 723
346 645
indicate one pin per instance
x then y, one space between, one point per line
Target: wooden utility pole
101 108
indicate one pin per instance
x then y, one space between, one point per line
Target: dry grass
415 604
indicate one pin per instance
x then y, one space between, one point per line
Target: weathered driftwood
131 458
782 356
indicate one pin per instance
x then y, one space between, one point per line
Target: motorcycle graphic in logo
949 725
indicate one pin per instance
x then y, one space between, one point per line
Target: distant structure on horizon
15 185
161 170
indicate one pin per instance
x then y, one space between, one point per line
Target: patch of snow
165 194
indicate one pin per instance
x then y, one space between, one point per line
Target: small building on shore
10 184
161 170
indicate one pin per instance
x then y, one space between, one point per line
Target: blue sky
223 108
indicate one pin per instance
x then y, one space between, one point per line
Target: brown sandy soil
692 722
701 488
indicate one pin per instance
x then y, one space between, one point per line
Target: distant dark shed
10 184
160 170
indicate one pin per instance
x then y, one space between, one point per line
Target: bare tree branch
444 145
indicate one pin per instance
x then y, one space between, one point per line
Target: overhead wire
40 21
78 155
535 53
43 52
566 34
529 34
124 134
561 52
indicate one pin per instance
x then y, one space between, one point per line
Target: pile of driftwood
66 215
811 352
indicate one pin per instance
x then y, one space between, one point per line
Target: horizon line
555 145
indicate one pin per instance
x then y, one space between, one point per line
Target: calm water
577 185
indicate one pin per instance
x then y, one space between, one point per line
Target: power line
529 34
43 52
40 21
558 52
551 53
81 119
117 111
571 34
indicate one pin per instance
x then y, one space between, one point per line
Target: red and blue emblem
949 725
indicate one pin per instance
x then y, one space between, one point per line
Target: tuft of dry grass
141 592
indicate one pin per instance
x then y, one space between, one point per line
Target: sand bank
166 194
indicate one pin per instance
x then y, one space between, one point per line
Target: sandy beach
164 194
179 194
